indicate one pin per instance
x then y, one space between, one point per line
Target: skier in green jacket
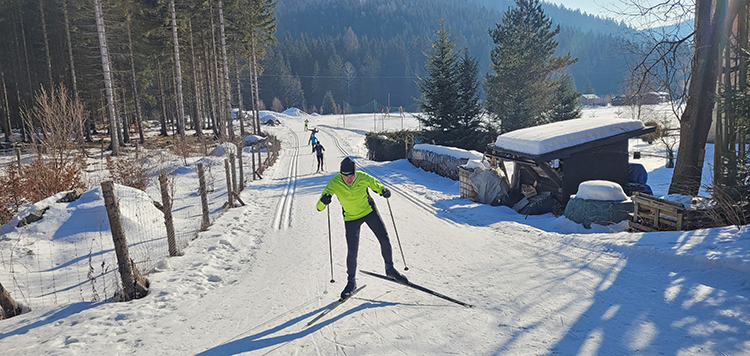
350 187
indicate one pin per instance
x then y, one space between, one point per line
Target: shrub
389 146
125 171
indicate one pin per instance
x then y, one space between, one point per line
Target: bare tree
107 71
227 86
60 119
178 75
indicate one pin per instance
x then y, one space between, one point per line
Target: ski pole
330 244
406 268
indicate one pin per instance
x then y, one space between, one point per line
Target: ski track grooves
407 195
284 209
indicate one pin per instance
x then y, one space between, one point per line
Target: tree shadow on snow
49 317
646 302
264 339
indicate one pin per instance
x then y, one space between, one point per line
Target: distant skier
306 121
350 187
318 149
313 139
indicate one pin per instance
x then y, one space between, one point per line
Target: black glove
326 199
385 193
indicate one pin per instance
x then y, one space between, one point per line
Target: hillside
385 41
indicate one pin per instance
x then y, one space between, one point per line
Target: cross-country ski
420 288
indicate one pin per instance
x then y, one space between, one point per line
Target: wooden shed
557 157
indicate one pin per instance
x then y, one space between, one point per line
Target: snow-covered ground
541 284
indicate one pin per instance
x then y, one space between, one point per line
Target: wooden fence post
230 196
166 202
232 164
7 304
118 237
18 158
242 173
252 154
204 197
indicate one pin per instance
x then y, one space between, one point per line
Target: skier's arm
328 190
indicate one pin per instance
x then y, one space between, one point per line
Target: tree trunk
256 102
240 112
227 85
9 306
107 76
178 76
696 119
74 79
209 87
26 131
162 100
125 118
46 46
220 118
196 95
6 122
136 97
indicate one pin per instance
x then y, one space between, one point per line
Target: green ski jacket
353 198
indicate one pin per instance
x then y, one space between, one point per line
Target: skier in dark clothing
318 149
350 187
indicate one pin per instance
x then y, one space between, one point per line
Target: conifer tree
523 67
439 88
329 104
468 133
565 101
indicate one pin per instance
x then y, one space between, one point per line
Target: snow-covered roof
450 151
542 139
590 96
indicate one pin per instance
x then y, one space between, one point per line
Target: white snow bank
224 149
555 136
294 112
250 140
600 190
450 151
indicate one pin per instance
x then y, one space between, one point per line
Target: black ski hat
347 166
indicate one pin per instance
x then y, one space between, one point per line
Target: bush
125 171
38 180
389 146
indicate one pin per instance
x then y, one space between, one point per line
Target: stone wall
446 166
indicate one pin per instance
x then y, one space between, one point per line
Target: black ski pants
377 226
320 162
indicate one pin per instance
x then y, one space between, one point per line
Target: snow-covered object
440 159
449 151
64 221
475 164
294 112
555 136
224 149
250 140
600 190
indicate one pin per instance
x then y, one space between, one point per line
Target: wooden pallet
656 214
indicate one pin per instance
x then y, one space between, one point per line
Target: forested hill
385 40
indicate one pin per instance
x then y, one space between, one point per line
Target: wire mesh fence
69 256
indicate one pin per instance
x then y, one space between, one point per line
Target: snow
600 190
555 136
450 151
251 282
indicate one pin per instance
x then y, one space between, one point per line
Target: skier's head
347 167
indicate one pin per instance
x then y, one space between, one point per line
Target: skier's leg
378 228
352 245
